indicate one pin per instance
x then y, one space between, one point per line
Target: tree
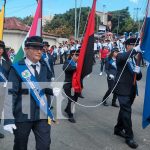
64 23
122 21
27 20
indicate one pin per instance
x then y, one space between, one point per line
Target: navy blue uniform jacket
125 85
17 92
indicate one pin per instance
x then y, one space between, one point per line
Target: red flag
85 61
35 29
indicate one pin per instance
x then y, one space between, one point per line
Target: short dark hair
45 43
2 44
132 41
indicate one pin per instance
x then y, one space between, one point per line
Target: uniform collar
1 59
22 62
29 62
113 58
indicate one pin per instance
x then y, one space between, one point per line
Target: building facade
15 33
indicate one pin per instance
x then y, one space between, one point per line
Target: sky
22 8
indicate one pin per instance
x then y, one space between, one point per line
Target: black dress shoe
72 120
105 104
68 112
131 143
70 115
1 135
81 96
120 133
114 105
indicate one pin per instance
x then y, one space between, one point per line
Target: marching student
103 54
126 90
69 68
30 71
48 58
5 64
111 71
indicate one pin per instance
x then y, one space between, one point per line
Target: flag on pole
2 22
145 46
35 30
85 60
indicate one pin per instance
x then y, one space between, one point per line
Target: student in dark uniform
69 68
4 71
126 91
48 58
20 123
111 71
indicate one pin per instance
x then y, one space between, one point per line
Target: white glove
137 69
52 78
56 91
5 84
111 76
10 128
137 48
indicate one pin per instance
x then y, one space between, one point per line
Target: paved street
94 127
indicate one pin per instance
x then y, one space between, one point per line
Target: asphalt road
94 127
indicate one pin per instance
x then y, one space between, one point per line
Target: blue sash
46 59
2 76
36 92
71 62
113 63
131 64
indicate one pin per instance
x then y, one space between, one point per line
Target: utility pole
75 22
137 12
137 16
97 23
78 30
104 6
118 24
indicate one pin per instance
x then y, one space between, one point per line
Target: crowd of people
38 66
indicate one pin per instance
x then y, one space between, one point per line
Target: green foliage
63 24
27 20
123 18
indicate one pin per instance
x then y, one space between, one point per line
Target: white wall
14 38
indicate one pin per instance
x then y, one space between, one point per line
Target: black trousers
41 130
54 58
65 56
67 88
124 116
111 84
61 59
103 61
2 98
